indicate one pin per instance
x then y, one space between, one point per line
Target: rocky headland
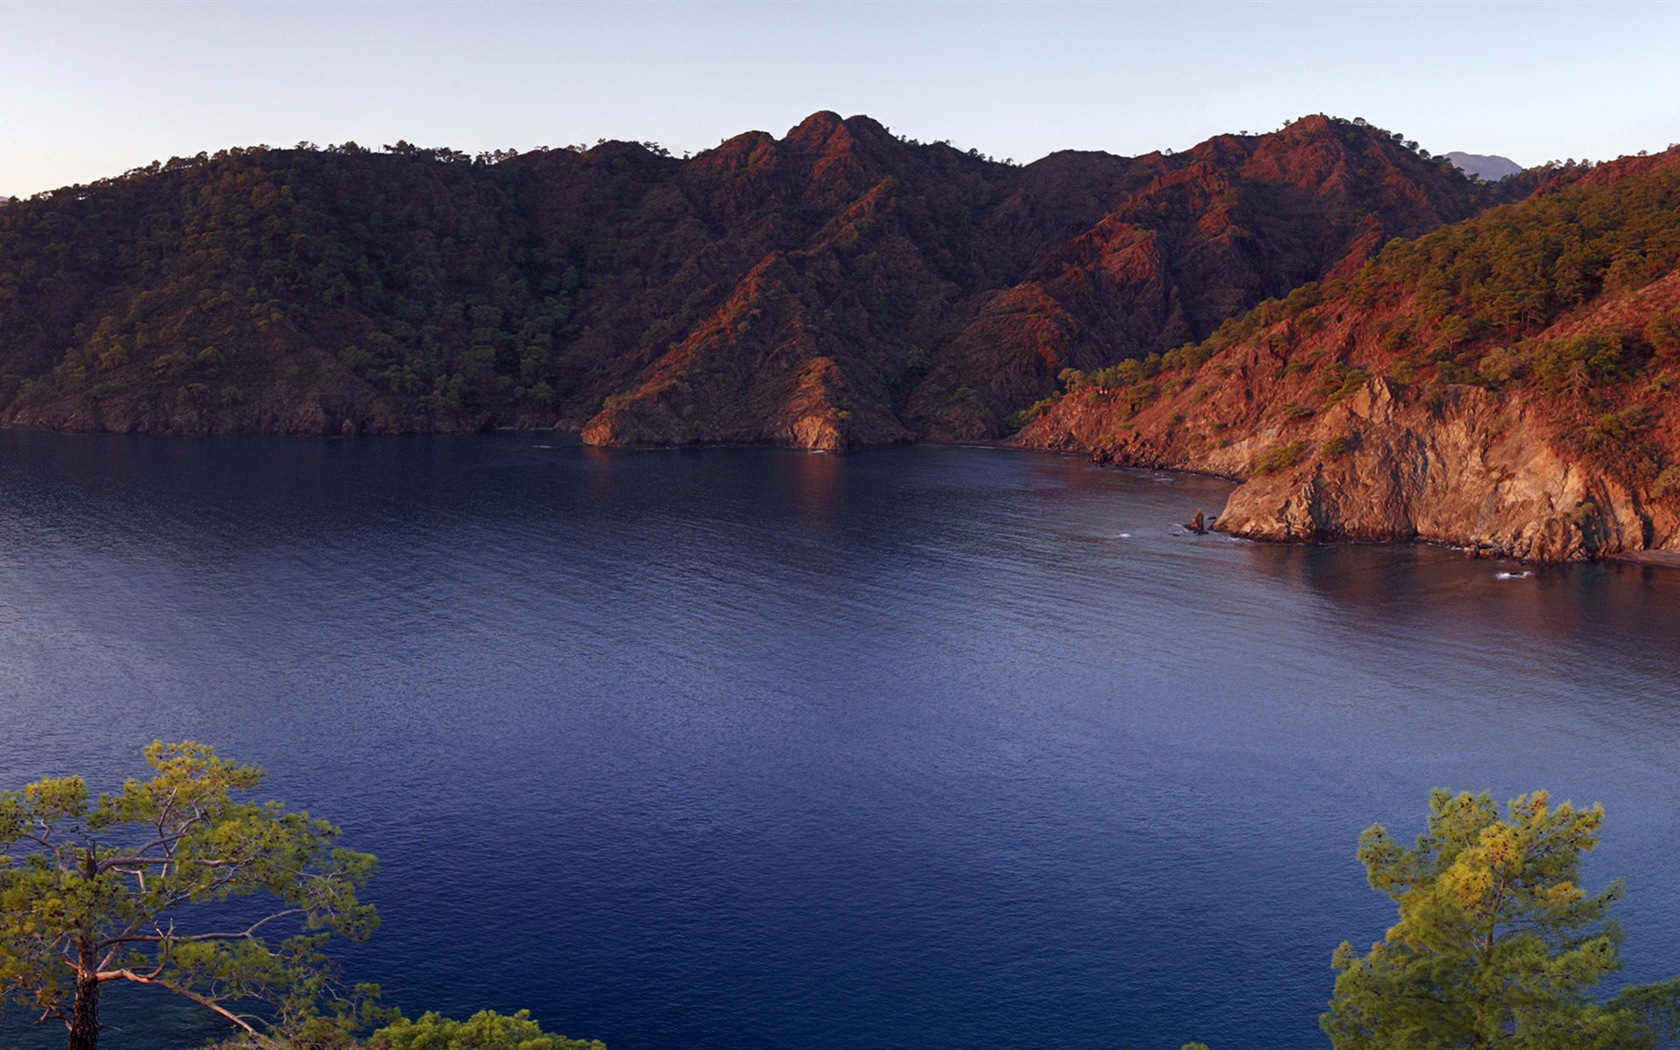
1505 385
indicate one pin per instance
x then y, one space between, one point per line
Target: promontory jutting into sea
655 563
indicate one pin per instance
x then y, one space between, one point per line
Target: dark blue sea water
743 748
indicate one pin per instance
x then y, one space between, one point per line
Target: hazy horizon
93 90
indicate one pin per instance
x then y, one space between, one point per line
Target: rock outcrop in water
1506 384
833 288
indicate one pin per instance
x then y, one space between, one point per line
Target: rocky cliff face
1469 469
1349 418
1460 466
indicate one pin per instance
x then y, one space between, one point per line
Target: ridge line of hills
837 287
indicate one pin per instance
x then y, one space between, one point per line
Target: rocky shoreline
1468 469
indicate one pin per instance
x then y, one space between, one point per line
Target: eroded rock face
1468 469
1461 465
1474 470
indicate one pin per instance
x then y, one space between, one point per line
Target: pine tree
175 883
1497 946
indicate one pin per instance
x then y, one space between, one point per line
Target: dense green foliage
1514 270
1497 946
174 883
485 1030
146 886
189 282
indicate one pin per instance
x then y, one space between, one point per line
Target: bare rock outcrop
1471 470
1467 469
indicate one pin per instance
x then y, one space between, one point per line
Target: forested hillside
837 287
1506 383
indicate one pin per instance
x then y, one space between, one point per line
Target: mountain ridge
837 287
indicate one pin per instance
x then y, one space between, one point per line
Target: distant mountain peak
1490 167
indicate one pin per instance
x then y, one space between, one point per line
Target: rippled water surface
744 748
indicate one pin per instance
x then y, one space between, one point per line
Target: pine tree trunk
84 1012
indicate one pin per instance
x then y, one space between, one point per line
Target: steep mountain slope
836 287
1234 221
1506 384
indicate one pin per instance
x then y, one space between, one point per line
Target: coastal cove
931 746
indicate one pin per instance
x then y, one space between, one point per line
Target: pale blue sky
91 89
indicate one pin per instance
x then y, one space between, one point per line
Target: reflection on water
816 492
937 747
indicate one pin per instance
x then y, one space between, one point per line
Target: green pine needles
1497 946
485 1030
178 883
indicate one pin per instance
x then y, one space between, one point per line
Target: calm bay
932 747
